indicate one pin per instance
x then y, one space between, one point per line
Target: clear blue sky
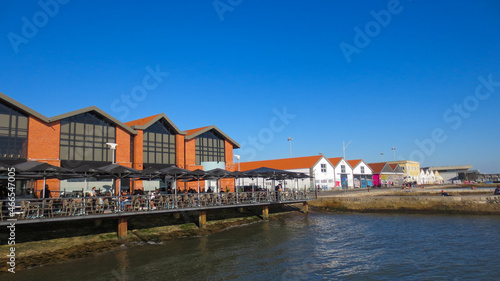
263 71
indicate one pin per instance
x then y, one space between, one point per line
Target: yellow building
411 169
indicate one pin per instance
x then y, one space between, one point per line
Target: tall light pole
290 140
345 146
238 158
394 150
381 153
112 146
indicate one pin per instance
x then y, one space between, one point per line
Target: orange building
83 137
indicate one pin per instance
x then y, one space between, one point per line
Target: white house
362 173
321 170
343 173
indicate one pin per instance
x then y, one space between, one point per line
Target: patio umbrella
40 169
86 171
118 171
197 175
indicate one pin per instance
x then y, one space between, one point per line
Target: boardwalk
122 207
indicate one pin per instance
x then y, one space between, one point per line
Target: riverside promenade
462 200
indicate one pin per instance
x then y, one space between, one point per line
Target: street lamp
381 153
238 158
112 146
345 146
290 140
394 150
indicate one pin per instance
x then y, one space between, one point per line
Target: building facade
82 137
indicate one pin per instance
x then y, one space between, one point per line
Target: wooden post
202 219
265 212
305 207
122 228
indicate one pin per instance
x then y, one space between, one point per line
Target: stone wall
432 204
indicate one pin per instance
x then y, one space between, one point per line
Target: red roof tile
335 161
142 121
282 164
194 131
377 167
354 163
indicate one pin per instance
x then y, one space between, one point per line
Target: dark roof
193 133
24 108
144 123
97 110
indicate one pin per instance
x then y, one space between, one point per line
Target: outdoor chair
136 204
242 197
89 206
33 210
169 202
24 209
49 208
105 206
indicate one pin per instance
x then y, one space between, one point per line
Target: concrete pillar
202 219
305 207
265 212
122 228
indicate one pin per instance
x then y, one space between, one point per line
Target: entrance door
345 184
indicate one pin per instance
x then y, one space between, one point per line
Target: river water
313 247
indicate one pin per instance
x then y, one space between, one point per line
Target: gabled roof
283 164
396 168
24 108
97 110
377 168
193 133
144 123
355 163
336 161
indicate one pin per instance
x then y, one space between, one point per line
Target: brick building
80 138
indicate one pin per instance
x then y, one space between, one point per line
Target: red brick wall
190 154
123 148
43 141
43 146
179 151
138 150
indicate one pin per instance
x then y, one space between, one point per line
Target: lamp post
381 153
112 146
290 140
239 179
394 150
345 146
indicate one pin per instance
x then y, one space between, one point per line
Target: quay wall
431 204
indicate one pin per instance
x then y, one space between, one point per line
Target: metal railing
85 206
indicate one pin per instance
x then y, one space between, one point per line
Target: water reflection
320 246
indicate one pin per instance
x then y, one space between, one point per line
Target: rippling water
313 247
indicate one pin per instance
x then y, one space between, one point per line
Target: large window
84 138
13 133
210 147
159 144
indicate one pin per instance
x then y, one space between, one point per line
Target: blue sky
421 76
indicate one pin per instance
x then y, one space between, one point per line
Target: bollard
265 212
202 219
305 208
122 228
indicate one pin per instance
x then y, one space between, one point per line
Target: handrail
26 209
